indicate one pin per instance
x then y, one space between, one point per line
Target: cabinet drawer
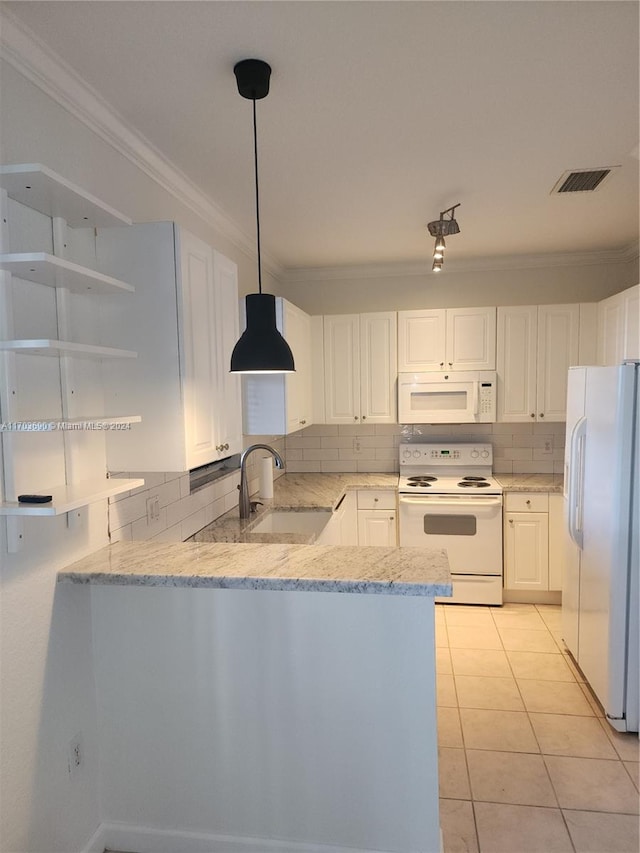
526 502
376 499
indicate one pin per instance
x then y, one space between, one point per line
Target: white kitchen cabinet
360 368
447 339
280 404
618 322
342 528
377 517
535 541
536 347
184 323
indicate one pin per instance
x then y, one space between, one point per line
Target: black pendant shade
261 348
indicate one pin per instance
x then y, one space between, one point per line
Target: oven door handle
429 501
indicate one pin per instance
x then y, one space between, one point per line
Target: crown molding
461 265
33 59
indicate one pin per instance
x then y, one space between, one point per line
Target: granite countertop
294 493
531 482
319 568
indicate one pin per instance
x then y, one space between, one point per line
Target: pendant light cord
255 159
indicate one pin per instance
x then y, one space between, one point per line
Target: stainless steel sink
286 521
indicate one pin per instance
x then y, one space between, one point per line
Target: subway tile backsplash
517 448
181 512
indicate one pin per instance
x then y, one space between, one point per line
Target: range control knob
406 454
474 454
485 454
416 454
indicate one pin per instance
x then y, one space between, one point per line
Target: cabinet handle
510 521
541 414
442 364
376 500
219 447
391 518
528 503
450 364
226 447
533 414
302 423
355 417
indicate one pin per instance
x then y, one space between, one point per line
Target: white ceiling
380 115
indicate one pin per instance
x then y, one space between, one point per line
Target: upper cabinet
279 404
536 347
360 369
183 321
618 320
447 339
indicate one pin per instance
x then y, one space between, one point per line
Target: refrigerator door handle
576 478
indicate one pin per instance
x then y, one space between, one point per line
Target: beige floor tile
443 661
592 784
457 615
551 615
597 832
554 697
498 694
442 641
632 770
505 731
458 826
579 737
509 777
625 744
488 662
545 667
521 829
452 774
519 640
528 619
511 605
446 691
473 637
449 729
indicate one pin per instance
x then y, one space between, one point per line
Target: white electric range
448 499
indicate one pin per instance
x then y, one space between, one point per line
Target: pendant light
261 348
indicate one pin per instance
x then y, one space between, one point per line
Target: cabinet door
526 551
610 330
378 368
377 527
342 369
631 349
421 340
516 360
228 402
471 339
297 332
558 544
197 312
558 327
348 520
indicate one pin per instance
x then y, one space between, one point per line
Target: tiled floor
527 762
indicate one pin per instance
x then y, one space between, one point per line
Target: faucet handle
253 505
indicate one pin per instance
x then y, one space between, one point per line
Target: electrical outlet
153 509
548 446
75 755
357 446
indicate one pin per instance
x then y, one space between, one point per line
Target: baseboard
517 596
140 839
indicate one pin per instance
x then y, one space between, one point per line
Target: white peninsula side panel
307 717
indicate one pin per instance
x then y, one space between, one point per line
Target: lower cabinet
365 517
377 518
533 541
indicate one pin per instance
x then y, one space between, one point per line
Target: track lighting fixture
261 348
441 228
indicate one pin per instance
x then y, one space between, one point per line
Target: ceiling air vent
582 180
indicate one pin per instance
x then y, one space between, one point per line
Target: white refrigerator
600 586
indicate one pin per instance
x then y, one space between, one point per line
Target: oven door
468 528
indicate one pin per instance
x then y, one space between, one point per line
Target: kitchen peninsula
268 696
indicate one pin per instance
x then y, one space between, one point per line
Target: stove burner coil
422 478
474 479
474 485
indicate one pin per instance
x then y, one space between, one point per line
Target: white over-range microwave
447 398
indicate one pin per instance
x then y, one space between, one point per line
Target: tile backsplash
517 448
182 512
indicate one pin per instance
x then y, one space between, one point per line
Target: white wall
318 293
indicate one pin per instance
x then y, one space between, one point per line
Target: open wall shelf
67 498
52 271
44 190
62 348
